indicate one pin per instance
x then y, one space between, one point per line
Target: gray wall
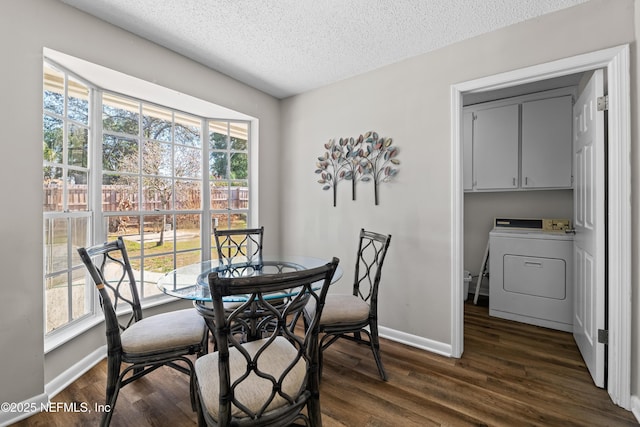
26 27
410 101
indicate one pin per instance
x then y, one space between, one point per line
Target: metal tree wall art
330 168
366 158
378 160
351 154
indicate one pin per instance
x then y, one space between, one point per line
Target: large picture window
162 179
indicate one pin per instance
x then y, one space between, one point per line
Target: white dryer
531 277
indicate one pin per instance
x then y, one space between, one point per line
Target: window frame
99 228
73 263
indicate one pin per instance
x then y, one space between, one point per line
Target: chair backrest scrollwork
372 250
239 246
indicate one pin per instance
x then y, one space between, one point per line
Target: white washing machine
531 277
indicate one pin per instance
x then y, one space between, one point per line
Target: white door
589 221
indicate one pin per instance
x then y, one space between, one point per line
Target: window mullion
95 168
140 182
94 187
205 224
252 201
69 271
65 145
65 196
229 192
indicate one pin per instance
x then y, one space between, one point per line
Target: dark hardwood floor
511 374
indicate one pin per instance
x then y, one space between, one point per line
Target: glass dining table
192 281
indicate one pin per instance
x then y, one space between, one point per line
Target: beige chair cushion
253 391
163 332
341 309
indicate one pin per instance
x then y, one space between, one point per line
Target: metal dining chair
142 344
271 379
355 315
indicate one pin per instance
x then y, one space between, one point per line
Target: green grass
153 253
154 259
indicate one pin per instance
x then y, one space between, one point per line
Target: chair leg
113 382
373 342
321 347
113 373
205 344
193 391
319 365
108 413
375 348
376 355
201 420
199 409
314 412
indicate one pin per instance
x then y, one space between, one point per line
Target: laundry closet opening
609 68
534 177
517 150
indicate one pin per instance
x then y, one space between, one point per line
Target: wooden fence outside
119 198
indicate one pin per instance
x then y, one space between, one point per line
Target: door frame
616 61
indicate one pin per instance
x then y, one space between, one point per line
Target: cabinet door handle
526 180
514 182
533 264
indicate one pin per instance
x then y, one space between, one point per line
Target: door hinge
603 103
603 336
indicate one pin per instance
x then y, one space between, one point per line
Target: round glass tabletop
192 281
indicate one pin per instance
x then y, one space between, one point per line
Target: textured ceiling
286 47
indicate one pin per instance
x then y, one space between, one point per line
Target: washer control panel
556 224
542 224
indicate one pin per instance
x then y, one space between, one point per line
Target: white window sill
67 333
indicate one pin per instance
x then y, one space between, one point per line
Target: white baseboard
416 341
74 372
40 402
23 409
635 406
